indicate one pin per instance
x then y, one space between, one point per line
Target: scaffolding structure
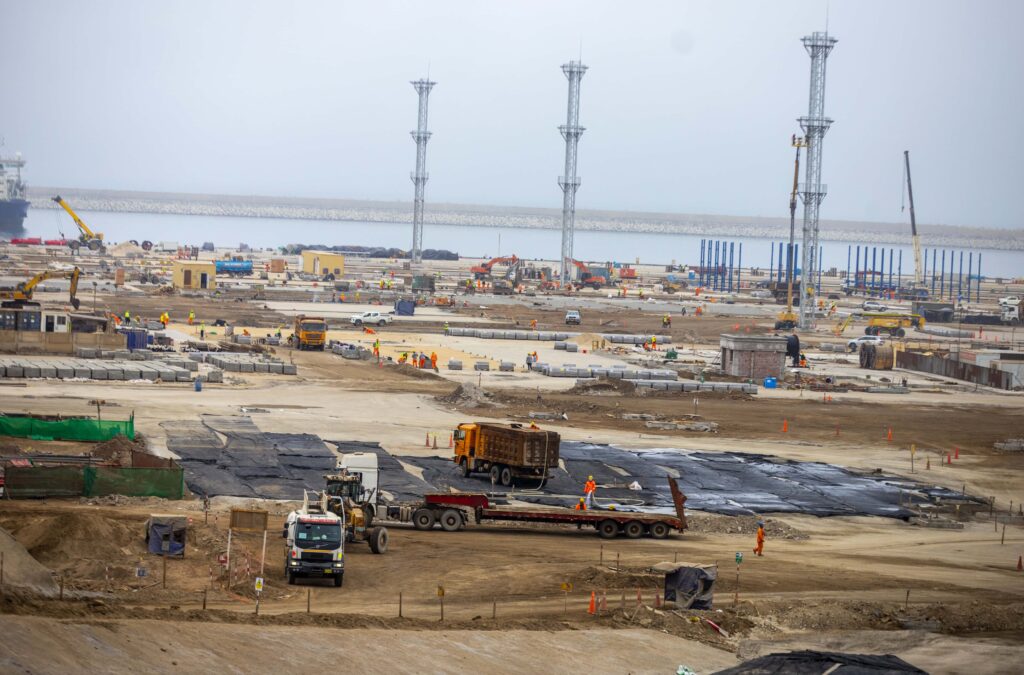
570 181
420 175
812 191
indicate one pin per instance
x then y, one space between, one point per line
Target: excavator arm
485 268
25 289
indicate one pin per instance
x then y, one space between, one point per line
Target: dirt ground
947 600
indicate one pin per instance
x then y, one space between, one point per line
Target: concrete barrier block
507 367
277 368
31 370
261 367
571 347
115 374
289 369
245 367
215 376
98 373
454 364
482 365
560 345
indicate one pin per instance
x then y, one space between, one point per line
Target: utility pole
420 176
570 181
818 45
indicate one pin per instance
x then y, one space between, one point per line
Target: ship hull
12 216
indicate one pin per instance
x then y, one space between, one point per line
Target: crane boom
93 240
913 223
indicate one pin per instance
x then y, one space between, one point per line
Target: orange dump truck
505 451
310 332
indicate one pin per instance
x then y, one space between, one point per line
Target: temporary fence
93 481
70 429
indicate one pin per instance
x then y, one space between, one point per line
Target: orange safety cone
949 458
956 453
435 441
592 609
888 436
785 426
426 443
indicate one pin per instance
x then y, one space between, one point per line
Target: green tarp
74 429
93 481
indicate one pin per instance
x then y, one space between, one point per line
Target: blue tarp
405 307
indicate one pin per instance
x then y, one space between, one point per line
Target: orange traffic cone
592 609
949 458
435 441
888 436
785 426
426 443
1020 563
956 453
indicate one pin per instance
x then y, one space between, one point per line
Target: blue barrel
770 383
198 384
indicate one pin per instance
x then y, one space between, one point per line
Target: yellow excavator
21 295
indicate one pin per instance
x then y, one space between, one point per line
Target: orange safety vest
589 487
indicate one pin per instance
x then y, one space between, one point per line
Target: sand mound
22 570
70 540
585 339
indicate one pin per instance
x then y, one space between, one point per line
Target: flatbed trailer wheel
608 529
506 476
450 520
423 519
659 530
495 473
634 529
378 540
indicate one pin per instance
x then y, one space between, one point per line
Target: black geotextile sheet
816 663
730 483
247 462
231 456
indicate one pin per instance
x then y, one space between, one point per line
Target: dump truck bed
533 448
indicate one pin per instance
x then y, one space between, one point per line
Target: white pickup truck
372 319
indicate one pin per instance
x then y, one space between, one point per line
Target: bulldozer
348 498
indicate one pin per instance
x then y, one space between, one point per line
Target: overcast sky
689 106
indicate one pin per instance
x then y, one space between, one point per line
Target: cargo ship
13 205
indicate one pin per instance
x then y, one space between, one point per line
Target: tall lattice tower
570 182
818 45
420 175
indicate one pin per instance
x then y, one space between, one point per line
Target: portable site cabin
194 275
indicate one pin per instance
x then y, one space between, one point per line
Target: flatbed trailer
453 511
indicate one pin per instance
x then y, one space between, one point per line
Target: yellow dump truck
505 451
895 325
310 332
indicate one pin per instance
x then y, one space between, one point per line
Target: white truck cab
366 466
315 542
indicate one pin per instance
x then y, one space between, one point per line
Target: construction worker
423 361
404 357
581 505
533 324
654 342
191 317
415 360
666 321
127 317
588 491
533 425
202 331
376 348
759 549
433 360
445 326
803 360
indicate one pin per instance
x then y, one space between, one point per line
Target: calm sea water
468 241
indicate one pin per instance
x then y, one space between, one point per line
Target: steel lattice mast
420 175
818 45
570 182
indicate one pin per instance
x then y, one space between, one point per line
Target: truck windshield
317 535
313 326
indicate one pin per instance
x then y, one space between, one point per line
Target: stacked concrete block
454 364
507 367
482 365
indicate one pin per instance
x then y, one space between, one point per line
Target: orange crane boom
484 270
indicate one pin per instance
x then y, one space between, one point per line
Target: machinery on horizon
21 295
88 237
587 278
485 270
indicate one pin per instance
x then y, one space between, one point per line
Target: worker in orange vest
588 491
760 538
581 505
433 360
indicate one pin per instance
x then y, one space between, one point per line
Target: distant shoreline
118 201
